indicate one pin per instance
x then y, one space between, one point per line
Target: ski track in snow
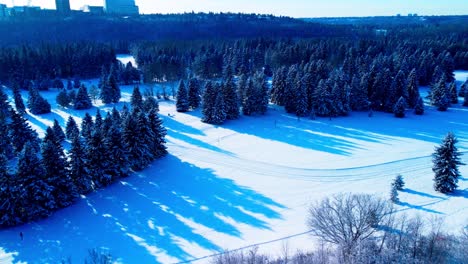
247 182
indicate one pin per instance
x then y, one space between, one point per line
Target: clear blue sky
294 8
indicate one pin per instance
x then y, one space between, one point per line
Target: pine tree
71 129
6 147
137 99
87 126
116 152
194 98
231 100
301 99
439 95
79 173
20 133
5 106
36 199
182 104
413 89
58 131
358 98
453 93
97 159
149 104
82 100
419 107
19 104
278 87
8 195
290 89
209 97
262 97
115 89
98 121
323 102
56 167
219 109
135 133
94 93
63 99
446 160
248 102
106 93
394 194
398 182
158 142
37 104
400 107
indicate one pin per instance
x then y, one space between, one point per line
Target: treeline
124 31
50 61
47 177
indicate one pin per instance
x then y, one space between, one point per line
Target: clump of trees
47 177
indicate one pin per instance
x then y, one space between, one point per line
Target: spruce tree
439 95
219 108
398 182
413 89
400 107
194 98
358 99
6 147
63 99
231 100
182 104
114 86
20 132
419 107
453 93
98 121
209 97
97 159
37 104
136 101
56 167
79 173
158 142
87 126
149 104
71 129
446 160
278 86
8 195
82 100
5 106
301 99
19 103
262 98
116 152
394 194
58 131
323 101
36 197
249 99
135 133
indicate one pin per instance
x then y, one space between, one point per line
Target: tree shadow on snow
410 191
150 214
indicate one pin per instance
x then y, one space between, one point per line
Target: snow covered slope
249 181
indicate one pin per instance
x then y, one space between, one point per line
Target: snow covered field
246 182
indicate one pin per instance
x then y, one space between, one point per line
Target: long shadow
410 191
145 217
420 207
460 193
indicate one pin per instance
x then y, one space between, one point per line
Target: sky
293 8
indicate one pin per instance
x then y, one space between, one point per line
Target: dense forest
222 62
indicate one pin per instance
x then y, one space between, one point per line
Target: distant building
121 7
63 6
98 10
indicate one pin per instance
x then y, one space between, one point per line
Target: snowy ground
246 182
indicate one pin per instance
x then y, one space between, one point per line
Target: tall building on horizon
63 6
121 7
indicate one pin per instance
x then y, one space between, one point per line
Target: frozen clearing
246 182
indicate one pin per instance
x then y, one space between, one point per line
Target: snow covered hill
247 182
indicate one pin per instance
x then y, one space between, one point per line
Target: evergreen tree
97 159
19 104
37 104
413 89
358 98
290 89
149 104
4 106
182 104
98 121
112 82
106 92
71 129
8 195
63 99
118 164
446 160
6 147
400 107
439 95
262 98
323 106
231 100
398 182
158 142
135 133
278 86
56 168
419 107
20 133
453 93
69 84
248 103
136 100
209 97
79 173
301 99
35 198
394 194
58 131
219 109
76 83
194 98
82 100
94 93
87 126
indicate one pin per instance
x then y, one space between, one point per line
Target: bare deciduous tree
347 219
